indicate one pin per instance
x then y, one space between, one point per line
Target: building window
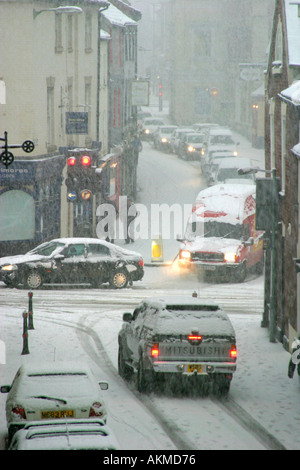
201 44
17 210
58 33
87 97
88 33
50 112
70 33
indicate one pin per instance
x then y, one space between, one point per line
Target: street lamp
61 9
103 6
274 196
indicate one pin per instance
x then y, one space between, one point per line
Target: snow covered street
262 411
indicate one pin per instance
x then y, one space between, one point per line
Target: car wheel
119 279
144 382
241 273
221 386
33 280
124 371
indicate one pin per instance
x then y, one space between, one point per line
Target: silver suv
181 338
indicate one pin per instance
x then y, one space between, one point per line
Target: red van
220 236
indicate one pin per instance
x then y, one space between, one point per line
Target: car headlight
191 148
147 131
164 140
9 267
235 153
230 257
185 255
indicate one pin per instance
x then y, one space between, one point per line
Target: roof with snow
117 18
292 93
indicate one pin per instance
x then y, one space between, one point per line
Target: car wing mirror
5 388
59 257
127 317
179 238
249 242
103 385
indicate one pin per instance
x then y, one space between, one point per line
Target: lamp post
273 316
103 6
61 9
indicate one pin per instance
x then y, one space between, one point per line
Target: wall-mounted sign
76 123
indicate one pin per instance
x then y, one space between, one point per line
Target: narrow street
83 324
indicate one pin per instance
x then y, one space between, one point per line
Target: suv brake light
141 262
155 350
233 352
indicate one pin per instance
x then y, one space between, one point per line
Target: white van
219 139
220 237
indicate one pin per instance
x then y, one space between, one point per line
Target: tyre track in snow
94 347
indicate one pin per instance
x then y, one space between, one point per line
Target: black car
73 261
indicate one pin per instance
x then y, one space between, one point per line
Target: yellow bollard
157 248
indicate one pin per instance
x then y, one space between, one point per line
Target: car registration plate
208 268
56 414
195 368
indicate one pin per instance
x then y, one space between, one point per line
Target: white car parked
76 434
54 391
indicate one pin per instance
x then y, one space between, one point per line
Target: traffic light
81 177
160 96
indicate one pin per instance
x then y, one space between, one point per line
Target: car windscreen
196 139
47 249
221 139
213 229
231 173
55 385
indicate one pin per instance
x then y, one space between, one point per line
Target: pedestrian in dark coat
295 358
131 216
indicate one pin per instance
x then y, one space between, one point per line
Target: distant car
178 339
54 391
218 140
162 137
76 434
204 127
149 127
228 171
176 135
73 261
213 163
190 146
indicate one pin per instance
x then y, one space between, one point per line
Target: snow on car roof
224 201
220 131
181 315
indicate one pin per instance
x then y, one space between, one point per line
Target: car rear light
233 352
195 338
19 411
85 160
141 262
155 350
71 161
96 410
